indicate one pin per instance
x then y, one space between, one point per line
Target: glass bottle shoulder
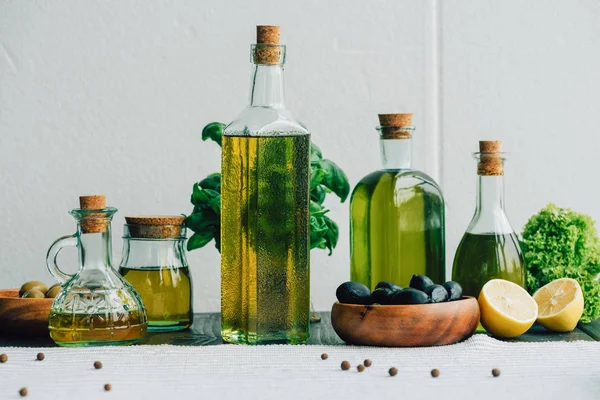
265 121
398 179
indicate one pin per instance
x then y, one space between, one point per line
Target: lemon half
507 310
560 304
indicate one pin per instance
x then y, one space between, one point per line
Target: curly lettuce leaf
561 243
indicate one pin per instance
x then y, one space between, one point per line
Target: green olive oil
481 257
265 296
397 228
166 293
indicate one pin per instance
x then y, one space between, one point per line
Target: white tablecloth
528 371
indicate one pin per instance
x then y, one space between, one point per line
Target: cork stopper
267 49
93 222
268 34
94 202
155 226
490 158
396 126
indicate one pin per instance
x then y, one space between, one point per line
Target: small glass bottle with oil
265 281
396 215
95 306
154 263
490 248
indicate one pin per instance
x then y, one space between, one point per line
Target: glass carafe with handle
95 306
490 247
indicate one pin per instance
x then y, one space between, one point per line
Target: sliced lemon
507 310
560 304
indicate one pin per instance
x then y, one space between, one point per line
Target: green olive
53 291
33 294
33 285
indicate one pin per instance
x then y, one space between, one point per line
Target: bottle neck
490 216
266 86
396 153
490 194
95 250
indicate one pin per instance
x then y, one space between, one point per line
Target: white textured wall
110 97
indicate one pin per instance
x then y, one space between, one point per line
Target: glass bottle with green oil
154 262
490 248
265 281
396 215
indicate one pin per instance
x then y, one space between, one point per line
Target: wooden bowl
23 317
406 325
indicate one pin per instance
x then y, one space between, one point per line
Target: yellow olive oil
265 294
77 330
481 257
397 228
166 293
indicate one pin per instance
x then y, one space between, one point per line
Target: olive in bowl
353 293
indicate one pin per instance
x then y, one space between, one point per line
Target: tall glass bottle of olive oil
490 248
265 295
396 215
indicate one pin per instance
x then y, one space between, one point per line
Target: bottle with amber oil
95 306
396 215
154 262
490 248
265 295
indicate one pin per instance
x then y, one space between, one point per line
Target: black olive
437 293
420 282
389 285
410 296
353 293
383 295
454 290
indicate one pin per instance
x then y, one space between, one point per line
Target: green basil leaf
198 198
213 181
332 234
199 240
214 132
316 177
318 194
215 205
202 221
335 180
315 153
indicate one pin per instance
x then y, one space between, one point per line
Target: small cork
155 226
94 202
267 49
95 222
268 34
490 158
396 126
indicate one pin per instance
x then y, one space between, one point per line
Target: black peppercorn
97 365
435 373
393 371
367 363
40 356
324 356
345 365
496 372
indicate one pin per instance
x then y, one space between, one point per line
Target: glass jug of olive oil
154 262
95 306
490 248
396 215
265 295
